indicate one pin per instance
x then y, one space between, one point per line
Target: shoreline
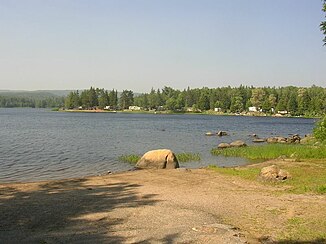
181 113
197 205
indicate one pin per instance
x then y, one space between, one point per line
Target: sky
140 44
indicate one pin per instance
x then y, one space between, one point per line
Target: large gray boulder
158 159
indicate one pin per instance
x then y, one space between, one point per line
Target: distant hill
43 93
38 93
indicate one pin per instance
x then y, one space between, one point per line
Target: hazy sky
139 44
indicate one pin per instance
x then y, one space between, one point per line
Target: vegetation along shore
244 100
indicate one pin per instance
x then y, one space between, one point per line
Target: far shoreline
169 112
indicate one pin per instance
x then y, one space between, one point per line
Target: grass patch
246 173
300 229
307 177
187 157
271 151
132 158
182 157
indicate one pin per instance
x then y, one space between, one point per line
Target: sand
150 206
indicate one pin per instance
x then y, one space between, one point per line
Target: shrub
320 130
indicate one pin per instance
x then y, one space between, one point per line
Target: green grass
271 151
246 173
298 229
131 158
187 157
306 177
182 157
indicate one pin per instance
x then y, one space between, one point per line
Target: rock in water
258 140
158 159
223 145
238 143
222 133
276 139
209 134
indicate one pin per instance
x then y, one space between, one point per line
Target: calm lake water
38 144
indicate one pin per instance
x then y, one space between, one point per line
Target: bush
320 130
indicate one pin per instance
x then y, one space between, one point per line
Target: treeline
12 101
94 97
296 100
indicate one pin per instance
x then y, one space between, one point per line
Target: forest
297 101
30 99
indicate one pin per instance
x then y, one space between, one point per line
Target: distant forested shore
32 99
294 101
290 100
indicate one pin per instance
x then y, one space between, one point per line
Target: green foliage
187 157
132 158
30 99
271 151
126 99
323 23
320 130
297 101
93 97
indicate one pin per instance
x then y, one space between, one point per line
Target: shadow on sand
70 211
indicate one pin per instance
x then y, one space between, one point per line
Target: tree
113 98
126 99
204 103
171 104
92 96
323 24
320 130
103 99
292 104
236 104
84 97
257 97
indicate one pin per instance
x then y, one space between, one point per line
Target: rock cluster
237 143
279 139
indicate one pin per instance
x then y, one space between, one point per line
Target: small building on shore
134 108
252 109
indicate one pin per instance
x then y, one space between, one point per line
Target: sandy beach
151 206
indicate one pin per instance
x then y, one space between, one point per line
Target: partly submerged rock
276 139
158 159
221 133
223 145
258 140
238 143
210 134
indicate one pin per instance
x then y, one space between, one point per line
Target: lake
38 144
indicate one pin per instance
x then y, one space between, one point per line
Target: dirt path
158 206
